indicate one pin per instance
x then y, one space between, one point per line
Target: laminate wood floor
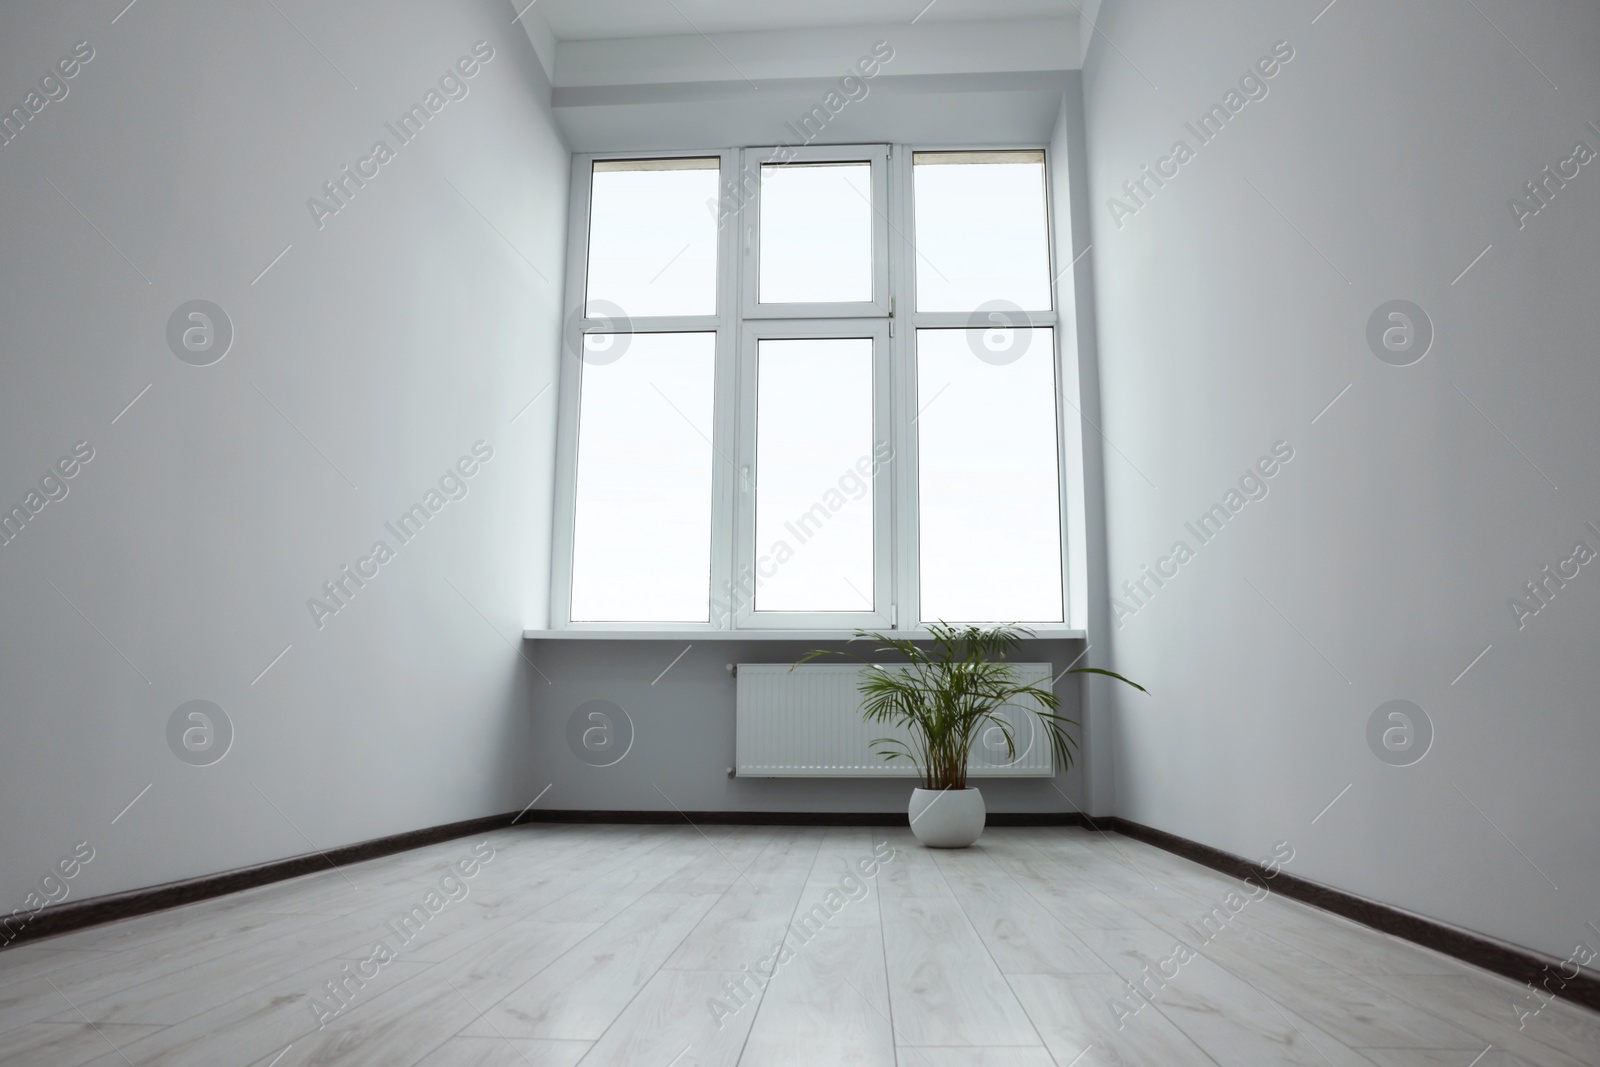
678 947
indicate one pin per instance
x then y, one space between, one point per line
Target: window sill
1041 633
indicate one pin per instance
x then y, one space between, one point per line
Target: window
986 449
813 430
816 233
754 437
642 519
652 243
981 219
813 501
987 444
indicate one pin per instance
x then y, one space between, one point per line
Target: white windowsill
1041 633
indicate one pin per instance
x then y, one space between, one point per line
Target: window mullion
725 434
902 431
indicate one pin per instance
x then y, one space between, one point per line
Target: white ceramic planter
947 818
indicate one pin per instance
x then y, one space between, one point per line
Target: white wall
1084 447
934 83
1232 309
1004 108
748 58
418 320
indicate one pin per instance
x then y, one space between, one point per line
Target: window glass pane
816 233
642 524
988 480
981 231
814 466
653 238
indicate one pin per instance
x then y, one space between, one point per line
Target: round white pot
947 818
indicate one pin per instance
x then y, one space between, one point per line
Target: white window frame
739 323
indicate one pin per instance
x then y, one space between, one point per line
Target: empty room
866 533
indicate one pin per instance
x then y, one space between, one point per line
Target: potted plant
947 693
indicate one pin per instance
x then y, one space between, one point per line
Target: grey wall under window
683 735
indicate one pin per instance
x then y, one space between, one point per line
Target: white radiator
805 722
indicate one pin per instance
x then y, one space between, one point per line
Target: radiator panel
805 722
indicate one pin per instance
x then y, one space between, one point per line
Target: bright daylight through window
813 394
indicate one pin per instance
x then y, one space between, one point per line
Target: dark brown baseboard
75 915
789 818
1511 961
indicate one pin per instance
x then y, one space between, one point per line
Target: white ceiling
579 20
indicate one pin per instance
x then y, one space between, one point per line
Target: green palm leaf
947 692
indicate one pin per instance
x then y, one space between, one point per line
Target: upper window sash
652 248
995 311
581 317
758 164
982 231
